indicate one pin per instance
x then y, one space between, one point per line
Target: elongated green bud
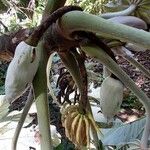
111 95
130 21
21 71
125 12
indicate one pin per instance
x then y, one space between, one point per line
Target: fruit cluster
78 126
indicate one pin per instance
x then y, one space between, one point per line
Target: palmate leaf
124 133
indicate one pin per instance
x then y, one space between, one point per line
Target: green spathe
21 71
111 96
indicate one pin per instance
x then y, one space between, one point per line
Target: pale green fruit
130 21
111 96
21 71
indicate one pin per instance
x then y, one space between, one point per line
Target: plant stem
125 12
84 101
40 90
72 65
81 21
48 69
40 82
22 119
47 20
38 32
83 76
98 53
51 6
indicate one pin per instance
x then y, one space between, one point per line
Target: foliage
18 15
131 101
100 6
91 6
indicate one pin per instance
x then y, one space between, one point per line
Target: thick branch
81 21
40 90
39 31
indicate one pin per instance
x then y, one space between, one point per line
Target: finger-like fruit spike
74 127
78 126
111 96
83 132
80 132
92 122
87 130
74 114
67 121
67 125
71 116
21 71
